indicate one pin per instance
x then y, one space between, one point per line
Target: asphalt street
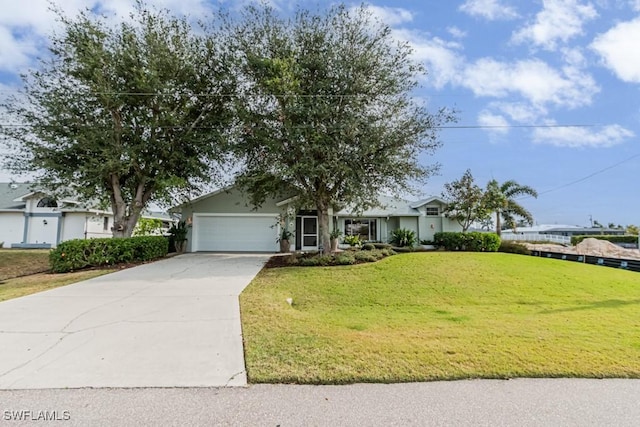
520 402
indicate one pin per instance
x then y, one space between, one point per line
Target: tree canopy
327 110
124 114
465 201
501 199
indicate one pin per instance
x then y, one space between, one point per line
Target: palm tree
501 199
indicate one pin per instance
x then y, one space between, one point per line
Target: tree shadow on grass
610 303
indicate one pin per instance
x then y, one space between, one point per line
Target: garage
234 233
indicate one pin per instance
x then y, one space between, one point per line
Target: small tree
124 114
465 201
501 199
327 110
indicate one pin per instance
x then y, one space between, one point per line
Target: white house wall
73 226
43 229
12 229
95 227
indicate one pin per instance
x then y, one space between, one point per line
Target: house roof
11 194
390 206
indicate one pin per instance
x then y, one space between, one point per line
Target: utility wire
584 178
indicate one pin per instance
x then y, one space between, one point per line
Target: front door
309 233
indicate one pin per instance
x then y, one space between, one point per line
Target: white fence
535 237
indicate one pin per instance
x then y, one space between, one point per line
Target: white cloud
391 16
456 32
441 58
559 20
15 51
495 122
520 112
533 79
489 9
23 29
618 48
606 136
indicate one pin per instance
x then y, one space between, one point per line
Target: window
365 228
433 211
105 223
47 202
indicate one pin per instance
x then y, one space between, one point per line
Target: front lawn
435 316
21 262
22 272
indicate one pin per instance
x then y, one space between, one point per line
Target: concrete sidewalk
171 323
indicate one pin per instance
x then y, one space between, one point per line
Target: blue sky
519 72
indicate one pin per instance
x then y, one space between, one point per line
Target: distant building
30 218
556 233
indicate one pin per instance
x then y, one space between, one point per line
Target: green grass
20 262
433 316
26 285
21 273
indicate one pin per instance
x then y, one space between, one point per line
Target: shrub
382 245
513 248
613 239
365 256
80 253
345 258
353 241
426 242
368 247
472 241
403 237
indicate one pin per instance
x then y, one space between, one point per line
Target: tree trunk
323 225
498 225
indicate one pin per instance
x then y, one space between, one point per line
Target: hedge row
473 241
80 253
613 239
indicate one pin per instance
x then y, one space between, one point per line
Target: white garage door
235 233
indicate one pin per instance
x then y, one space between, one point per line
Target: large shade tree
124 114
327 110
502 199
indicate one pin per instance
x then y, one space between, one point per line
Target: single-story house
29 218
224 220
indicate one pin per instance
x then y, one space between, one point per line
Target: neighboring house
225 221
29 218
556 233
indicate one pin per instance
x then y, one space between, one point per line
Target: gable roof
11 194
390 206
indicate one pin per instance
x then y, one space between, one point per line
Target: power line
584 178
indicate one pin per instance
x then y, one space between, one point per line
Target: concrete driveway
172 323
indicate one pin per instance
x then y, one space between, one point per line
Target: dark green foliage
124 111
366 256
345 258
179 231
513 248
328 109
80 253
382 245
613 239
403 237
348 257
465 201
368 247
473 241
